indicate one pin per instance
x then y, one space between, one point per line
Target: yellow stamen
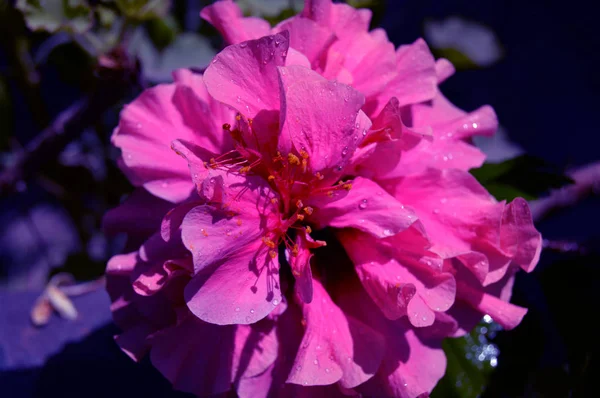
319 176
274 201
299 204
300 217
330 194
308 210
268 242
271 178
308 229
304 154
272 253
293 159
347 186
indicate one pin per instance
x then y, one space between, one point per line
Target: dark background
545 91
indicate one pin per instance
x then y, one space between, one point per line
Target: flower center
289 174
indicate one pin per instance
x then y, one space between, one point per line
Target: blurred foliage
470 361
459 60
143 10
524 176
53 15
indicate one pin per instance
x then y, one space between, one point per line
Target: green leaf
52 15
143 10
162 31
525 176
470 361
456 57
284 14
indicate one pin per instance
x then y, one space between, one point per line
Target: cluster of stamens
284 171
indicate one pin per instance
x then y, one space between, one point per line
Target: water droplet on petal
237 309
252 311
316 361
345 151
275 302
363 204
327 370
387 232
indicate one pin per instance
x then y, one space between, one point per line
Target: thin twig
587 183
117 74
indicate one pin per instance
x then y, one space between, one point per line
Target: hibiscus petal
412 363
244 76
449 122
519 236
398 283
334 347
366 207
459 215
242 289
211 235
306 36
256 348
146 129
227 17
190 366
415 80
300 265
443 69
321 118
139 215
370 60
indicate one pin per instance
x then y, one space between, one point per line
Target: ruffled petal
322 118
334 347
157 117
227 18
307 36
415 79
399 283
366 207
299 260
195 356
242 289
244 76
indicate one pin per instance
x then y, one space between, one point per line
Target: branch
587 183
116 75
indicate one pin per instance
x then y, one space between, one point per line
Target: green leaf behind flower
53 15
524 176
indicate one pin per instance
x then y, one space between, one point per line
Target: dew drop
243 45
364 133
316 361
345 151
363 204
474 125
327 369
387 232
275 302
252 311
237 309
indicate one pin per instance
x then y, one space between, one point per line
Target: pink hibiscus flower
283 241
